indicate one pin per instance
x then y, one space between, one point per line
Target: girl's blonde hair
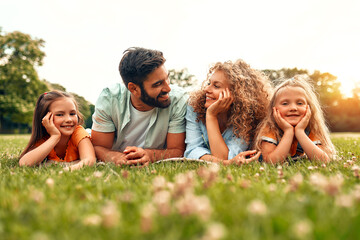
41 109
317 121
251 92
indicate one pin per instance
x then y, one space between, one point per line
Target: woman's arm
218 146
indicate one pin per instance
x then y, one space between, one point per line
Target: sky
85 39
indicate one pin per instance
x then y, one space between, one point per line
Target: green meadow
182 200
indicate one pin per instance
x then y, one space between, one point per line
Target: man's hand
136 156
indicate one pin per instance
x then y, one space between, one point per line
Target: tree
20 85
181 78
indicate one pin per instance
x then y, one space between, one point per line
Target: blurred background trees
20 87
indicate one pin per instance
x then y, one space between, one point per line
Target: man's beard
154 102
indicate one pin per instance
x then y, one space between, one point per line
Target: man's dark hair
137 63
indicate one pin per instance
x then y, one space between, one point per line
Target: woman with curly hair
222 116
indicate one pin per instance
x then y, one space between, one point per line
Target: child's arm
312 151
87 155
272 153
38 154
218 146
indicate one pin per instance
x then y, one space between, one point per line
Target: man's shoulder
117 90
178 94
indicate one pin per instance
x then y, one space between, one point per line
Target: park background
76 46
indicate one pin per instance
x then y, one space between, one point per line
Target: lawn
176 200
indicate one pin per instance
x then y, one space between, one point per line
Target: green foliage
85 107
174 200
19 83
337 110
182 78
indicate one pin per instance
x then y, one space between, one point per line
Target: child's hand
48 123
280 121
304 122
222 104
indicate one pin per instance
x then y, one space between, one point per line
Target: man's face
155 89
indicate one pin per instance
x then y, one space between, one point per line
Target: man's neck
139 105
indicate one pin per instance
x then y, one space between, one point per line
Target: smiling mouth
67 126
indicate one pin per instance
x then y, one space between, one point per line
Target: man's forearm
107 155
159 154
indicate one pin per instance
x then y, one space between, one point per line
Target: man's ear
134 89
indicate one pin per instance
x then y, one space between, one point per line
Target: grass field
174 200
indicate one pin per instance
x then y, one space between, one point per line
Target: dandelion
311 168
257 175
209 175
183 183
162 200
110 215
302 229
350 162
296 181
97 174
261 169
229 177
146 214
353 158
92 220
323 165
37 196
345 201
190 204
127 197
125 174
214 231
245 183
158 183
356 169
272 187
50 182
257 207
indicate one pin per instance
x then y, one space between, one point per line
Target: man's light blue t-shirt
112 114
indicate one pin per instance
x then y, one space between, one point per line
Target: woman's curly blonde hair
251 91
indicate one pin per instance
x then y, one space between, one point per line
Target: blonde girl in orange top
57 134
295 125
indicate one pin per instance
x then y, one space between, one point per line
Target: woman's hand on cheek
304 122
48 123
280 121
222 104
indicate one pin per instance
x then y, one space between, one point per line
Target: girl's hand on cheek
280 121
222 104
48 123
304 122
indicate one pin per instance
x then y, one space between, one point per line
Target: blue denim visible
197 141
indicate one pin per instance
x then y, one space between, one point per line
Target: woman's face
217 83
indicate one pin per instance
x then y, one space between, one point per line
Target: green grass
190 200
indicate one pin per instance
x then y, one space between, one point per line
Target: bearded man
142 120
